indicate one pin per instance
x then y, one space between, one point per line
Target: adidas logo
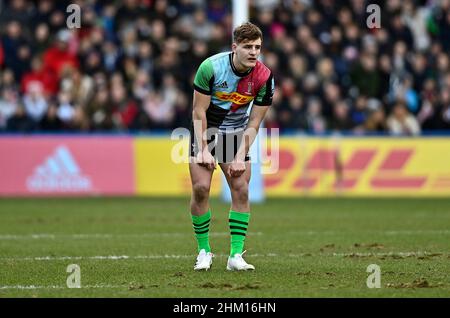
59 173
223 85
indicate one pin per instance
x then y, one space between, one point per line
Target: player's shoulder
217 63
219 56
261 70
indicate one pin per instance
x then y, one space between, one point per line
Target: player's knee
201 191
240 192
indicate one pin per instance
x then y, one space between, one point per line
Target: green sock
238 229
201 229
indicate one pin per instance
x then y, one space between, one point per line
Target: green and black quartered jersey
232 92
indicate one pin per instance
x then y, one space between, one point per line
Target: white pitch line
31 287
173 256
391 254
59 287
96 257
50 236
409 232
384 232
39 236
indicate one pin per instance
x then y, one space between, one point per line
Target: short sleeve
265 93
204 78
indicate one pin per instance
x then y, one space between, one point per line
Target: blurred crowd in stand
130 66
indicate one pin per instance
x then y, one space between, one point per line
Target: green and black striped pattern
201 230
238 229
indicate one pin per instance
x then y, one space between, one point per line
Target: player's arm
257 115
203 83
200 106
261 104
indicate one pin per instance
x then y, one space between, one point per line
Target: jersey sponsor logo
222 85
234 97
59 172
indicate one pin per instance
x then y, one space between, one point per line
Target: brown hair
247 32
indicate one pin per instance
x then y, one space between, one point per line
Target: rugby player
221 134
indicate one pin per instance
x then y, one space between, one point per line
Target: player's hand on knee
236 169
208 161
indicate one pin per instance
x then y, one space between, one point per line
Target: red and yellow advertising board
311 166
307 166
361 167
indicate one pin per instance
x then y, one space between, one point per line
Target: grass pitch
145 247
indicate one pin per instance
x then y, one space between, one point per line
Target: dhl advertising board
319 167
305 166
361 167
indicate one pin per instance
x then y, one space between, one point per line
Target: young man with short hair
222 132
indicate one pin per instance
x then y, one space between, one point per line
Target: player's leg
239 188
200 213
239 216
201 184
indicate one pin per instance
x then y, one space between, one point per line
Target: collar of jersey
235 71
